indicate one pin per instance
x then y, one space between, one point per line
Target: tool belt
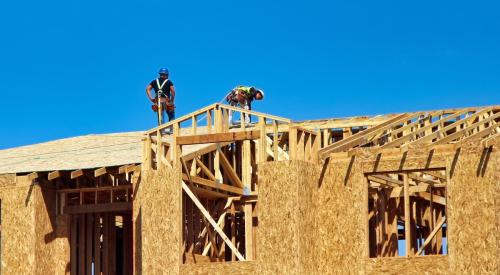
167 104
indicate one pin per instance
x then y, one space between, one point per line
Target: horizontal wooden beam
215 138
98 208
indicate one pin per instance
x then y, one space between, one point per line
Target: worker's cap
163 71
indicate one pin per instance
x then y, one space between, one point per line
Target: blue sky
71 67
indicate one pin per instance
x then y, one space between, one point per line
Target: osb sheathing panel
250 267
158 199
286 220
473 211
403 265
18 227
307 185
51 249
278 242
340 218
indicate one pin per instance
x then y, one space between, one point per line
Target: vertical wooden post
292 143
218 120
97 242
218 174
105 244
147 155
209 121
263 140
326 137
308 146
301 146
89 240
74 243
194 125
275 140
246 178
407 214
81 243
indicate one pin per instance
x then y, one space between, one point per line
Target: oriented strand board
286 217
341 242
157 213
18 227
51 248
401 265
233 268
473 211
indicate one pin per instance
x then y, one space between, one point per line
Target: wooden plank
81 244
98 208
208 194
112 243
105 244
97 242
407 214
218 137
211 221
275 140
54 175
433 233
228 169
74 244
213 184
249 252
262 140
205 169
77 173
292 143
32 176
89 248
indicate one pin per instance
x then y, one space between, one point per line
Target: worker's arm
148 93
172 93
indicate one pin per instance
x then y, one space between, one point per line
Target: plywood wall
52 243
340 217
286 220
473 211
18 226
438 265
233 268
157 213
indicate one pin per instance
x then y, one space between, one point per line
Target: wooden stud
407 214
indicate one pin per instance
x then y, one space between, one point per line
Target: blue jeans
165 113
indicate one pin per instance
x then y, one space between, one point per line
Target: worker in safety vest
242 96
164 96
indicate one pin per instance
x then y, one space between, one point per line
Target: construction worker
164 95
243 96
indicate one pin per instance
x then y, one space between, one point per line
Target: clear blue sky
70 68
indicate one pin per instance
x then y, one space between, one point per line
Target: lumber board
213 184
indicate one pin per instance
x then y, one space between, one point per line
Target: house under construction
403 193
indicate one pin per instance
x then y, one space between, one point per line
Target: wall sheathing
473 211
340 217
286 223
157 213
30 244
51 238
18 225
233 268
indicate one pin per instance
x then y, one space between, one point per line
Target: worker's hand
152 100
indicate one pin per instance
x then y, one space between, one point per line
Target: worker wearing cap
243 96
164 89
